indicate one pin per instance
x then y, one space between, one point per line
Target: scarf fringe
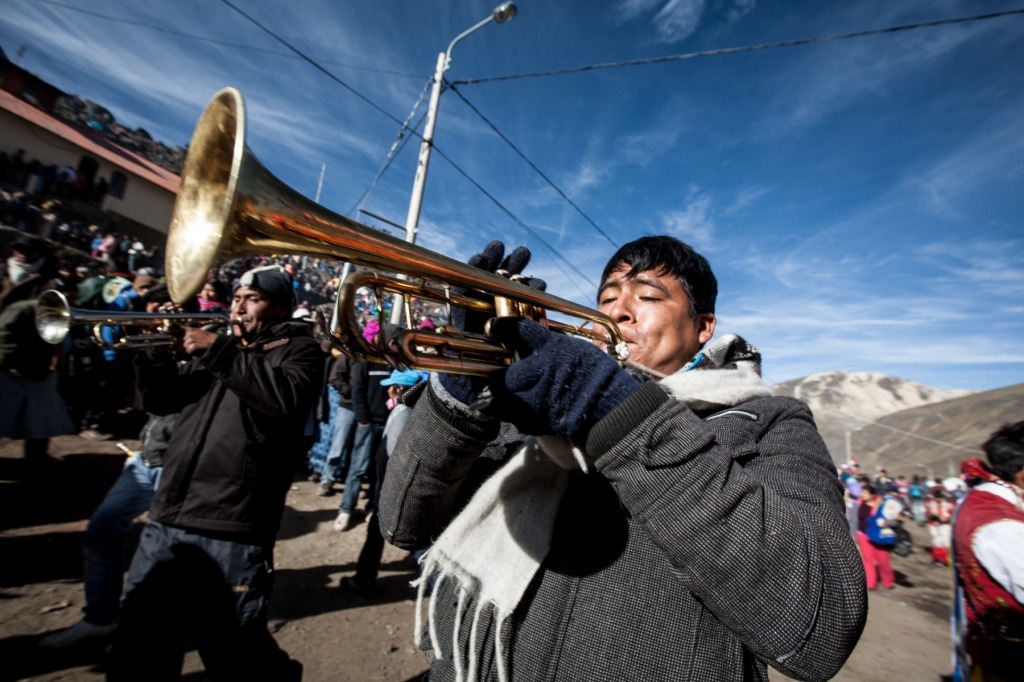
466 663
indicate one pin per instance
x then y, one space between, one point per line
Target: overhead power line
557 256
214 41
400 141
908 433
745 48
911 434
533 166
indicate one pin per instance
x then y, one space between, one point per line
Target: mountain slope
954 429
845 402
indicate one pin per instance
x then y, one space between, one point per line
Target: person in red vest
988 549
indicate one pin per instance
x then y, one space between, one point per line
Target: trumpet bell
53 316
229 205
203 207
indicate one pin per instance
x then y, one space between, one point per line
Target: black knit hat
274 282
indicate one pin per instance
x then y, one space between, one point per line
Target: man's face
654 315
253 311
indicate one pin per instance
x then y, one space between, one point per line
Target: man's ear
282 311
705 327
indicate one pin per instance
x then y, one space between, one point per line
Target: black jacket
369 398
340 377
238 441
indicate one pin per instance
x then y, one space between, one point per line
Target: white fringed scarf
493 549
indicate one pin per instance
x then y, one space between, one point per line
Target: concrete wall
143 201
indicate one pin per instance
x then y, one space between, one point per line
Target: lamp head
504 12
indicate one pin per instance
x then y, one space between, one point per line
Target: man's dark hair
1005 451
668 255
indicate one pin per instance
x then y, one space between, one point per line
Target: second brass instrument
229 205
55 317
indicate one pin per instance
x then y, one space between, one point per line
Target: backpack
904 541
882 524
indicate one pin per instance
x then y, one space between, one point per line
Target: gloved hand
491 259
562 385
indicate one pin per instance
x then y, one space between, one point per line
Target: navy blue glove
562 385
491 259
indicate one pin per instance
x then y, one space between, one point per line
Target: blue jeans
341 445
214 591
321 448
106 539
366 443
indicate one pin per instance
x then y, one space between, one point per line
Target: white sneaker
343 522
78 632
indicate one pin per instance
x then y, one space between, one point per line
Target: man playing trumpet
687 527
204 567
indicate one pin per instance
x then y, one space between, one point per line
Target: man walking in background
988 549
370 405
204 567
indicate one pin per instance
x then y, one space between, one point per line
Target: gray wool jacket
705 547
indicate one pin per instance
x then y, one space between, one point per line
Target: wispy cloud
958 297
858 199
747 197
842 74
694 222
676 20
948 185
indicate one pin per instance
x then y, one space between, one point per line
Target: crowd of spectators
40 199
879 505
96 267
50 179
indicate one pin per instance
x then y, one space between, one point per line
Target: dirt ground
336 635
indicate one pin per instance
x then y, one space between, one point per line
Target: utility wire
436 149
746 48
315 64
397 147
906 433
533 166
550 249
400 141
214 41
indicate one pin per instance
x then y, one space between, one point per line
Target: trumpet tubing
229 205
55 317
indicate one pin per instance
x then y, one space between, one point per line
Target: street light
500 15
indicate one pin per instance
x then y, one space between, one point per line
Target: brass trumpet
229 205
55 317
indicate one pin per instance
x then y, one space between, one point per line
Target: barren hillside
848 401
946 432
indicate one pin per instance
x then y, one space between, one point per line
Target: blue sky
860 200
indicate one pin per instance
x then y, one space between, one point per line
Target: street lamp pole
500 15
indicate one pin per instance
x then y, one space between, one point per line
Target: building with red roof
139 192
